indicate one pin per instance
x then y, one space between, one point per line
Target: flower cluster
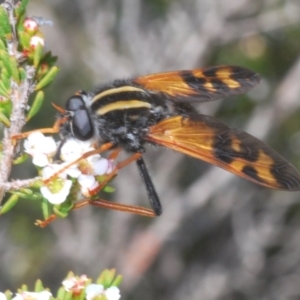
72 169
44 295
95 291
31 27
92 291
74 287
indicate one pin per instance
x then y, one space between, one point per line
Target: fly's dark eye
74 103
82 126
81 123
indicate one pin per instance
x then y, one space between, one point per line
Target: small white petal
17 297
111 166
112 293
68 284
44 295
57 198
49 145
100 166
70 151
74 149
32 141
73 171
2 296
40 160
75 283
37 143
52 169
86 180
35 40
87 183
34 137
93 290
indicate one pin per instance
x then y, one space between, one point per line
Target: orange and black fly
157 109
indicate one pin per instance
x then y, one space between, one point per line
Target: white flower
113 293
2 296
94 290
74 149
40 147
93 165
58 189
88 183
87 168
99 165
35 40
30 24
75 284
44 295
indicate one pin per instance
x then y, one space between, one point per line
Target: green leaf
20 159
68 296
36 105
2 33
14 69
2 45
117 281
4 119
60 213
36 196
20 194
8 294
49 59
37 54
5 78
38 287
24 287
6 107
3 90
27 192
37 184
108 189
5 60
24 39
48 78
61 293
106 278
21 7
9 204
47 62
82 295
46 208
20 22
4 23
22 74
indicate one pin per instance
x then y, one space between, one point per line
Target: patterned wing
200 85
236 151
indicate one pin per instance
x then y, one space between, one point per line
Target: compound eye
82 126
74 103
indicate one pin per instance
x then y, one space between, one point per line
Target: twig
19 98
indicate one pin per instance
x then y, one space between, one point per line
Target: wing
236 151
200 85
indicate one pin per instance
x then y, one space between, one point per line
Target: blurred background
220 237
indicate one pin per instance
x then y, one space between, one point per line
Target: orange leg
115 154
54 129
134 209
